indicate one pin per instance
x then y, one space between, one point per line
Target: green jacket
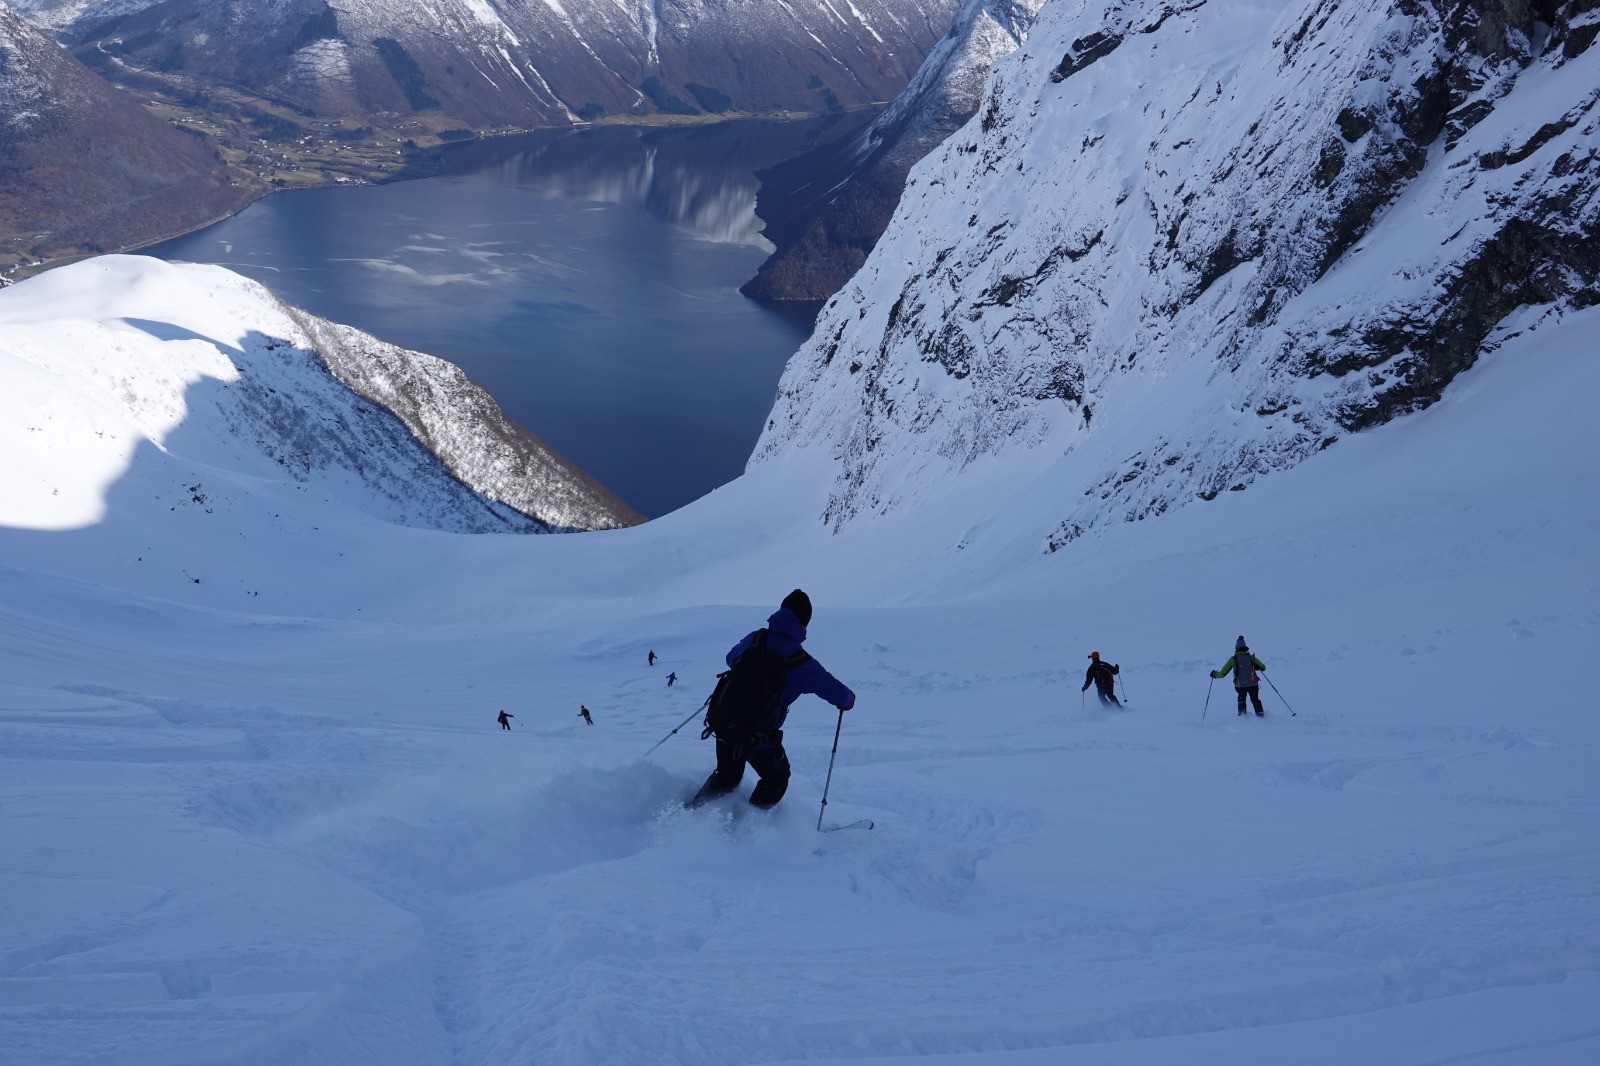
1232 664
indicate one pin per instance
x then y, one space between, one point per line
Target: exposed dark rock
1085 50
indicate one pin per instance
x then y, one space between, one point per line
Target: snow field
285 828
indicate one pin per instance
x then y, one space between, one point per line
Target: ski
865 823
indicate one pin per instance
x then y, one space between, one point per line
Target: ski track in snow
292 833
256 809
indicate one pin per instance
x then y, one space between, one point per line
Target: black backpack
749 692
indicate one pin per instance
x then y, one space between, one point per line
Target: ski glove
847 707
1215 674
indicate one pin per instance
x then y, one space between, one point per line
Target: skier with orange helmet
1103 676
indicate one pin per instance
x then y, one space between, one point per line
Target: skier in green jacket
1246 679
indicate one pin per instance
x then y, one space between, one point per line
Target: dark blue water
587 279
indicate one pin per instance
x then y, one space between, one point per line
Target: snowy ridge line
460 423
597 57
1168 287
177 362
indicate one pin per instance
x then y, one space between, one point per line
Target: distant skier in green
583 712
1246 669
505 720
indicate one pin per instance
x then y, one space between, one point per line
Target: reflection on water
588 279
712 197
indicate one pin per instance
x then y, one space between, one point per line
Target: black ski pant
1255 695
1107 696
767 759
505 725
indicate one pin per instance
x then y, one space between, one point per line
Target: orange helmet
1094 655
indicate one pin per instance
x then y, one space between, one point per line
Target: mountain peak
1178 249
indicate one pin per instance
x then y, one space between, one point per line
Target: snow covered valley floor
268 818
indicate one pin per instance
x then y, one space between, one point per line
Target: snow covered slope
284 828
215 397
1183 247
58 14
257 811
484 63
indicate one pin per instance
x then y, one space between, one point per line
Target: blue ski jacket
785 635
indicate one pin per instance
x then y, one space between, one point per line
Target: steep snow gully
256 809
284 827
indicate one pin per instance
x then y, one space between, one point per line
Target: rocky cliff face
465 429
82 166
1182 246
826 210
485 63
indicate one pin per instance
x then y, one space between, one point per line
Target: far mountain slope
1179 249
825 211
83 167
59 14
489 63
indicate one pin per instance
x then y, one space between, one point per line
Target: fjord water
588 279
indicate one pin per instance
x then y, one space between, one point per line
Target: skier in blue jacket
786 632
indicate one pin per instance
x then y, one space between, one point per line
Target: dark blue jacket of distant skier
786 634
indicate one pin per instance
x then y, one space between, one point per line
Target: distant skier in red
505 720
1103 676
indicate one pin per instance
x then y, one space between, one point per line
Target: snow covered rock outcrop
58 14
1182 247
212 392
826 210
462 425
82 166
485 63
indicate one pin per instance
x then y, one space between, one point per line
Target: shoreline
435 154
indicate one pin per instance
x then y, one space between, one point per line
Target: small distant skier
583 712
1246 669
671 678
784 635
1103 676
505 720
652 657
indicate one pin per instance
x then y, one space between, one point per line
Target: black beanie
799 605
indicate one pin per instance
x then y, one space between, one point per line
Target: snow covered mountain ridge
1182 247
493 62
214 394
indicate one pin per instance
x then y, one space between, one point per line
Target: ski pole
1280 696
826 784
1082 699
674 733
1207 707
1124 685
